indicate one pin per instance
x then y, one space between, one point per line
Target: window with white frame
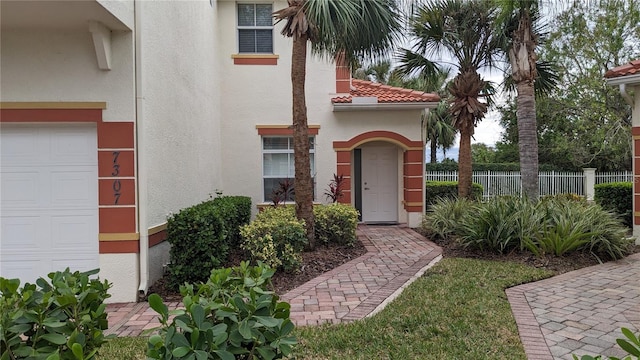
278 167
255 28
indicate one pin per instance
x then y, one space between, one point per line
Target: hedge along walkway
396 257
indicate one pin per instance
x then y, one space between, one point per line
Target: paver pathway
580 312
396 256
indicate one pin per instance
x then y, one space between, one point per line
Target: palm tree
440 131
518 26
464 31
351 29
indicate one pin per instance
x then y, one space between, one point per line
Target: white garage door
48 199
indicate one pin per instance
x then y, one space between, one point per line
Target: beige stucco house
116 113
627 78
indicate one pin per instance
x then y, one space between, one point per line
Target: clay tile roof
631 68
385 93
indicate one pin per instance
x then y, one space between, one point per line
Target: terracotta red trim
636 202
119 247
117 220
115 135
413 208
125 188
256 61
125 162
358 140
412 169
636 147
635 130
411 156
413 182
284 131
157 238
50 115
343 157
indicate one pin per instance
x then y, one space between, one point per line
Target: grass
124 348
457 310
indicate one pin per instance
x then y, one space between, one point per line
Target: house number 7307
116 186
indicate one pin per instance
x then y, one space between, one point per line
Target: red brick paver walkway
396 256
580 312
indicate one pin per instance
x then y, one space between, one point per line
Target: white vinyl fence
551 182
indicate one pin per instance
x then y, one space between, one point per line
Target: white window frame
266 197
255 27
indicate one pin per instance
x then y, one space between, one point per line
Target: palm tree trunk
527 139
464 163
303 183
434 150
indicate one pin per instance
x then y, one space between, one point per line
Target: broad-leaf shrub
336 224
631 345
235 212
616 197
436 190
197 238
276 238
231 316
443 217
62 317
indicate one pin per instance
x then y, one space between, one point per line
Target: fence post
589 182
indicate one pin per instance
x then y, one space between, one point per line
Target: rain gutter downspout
625 95
140 152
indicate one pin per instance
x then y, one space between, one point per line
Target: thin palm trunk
464 162
303 181
527 139
434 150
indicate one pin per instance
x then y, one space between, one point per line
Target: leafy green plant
60 318
616 197
336 224
436 190
443 218
276 238
631 345
235 211
231 316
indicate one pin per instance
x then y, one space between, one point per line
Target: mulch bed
326 258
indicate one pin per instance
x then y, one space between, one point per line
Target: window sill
255 59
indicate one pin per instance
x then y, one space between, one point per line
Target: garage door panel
76 188
49 199
20 188
70 232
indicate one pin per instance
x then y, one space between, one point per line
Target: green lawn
457 310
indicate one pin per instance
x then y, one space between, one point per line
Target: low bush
59 318
231 316
197 238
617 197
276 238
436 190
551 226
335 224
235 212
453 166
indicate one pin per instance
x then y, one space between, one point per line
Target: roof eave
384 106
625 79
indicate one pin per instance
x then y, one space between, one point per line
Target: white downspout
141 155
625 95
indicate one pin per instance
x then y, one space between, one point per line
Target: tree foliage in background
583 122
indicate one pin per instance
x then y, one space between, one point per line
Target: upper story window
255 28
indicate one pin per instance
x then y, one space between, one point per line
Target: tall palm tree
439 128
519 28
351 29
462 30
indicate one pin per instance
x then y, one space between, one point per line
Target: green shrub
276 238
453 166
60 318
631 345
493 225
235 212
335 224
231 316
198 244
443 217
435 190
617 197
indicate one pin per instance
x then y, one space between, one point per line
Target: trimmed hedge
616 197
336 224
235 212
200 237
453 166
435 190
